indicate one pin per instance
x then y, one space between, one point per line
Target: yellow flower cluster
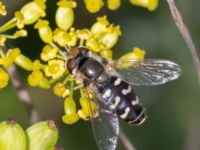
49 70
94 6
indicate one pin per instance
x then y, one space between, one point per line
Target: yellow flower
11 56
149 4
4 78
137 54
110 38
37 65
88 108
2 9
83 34
70 116
93 44
48 53
45 31
20 19
64 14
113 4
60 90
35 77
63 38
100 26
2 40
55 69
20 33
93 6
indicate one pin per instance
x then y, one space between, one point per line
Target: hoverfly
110 81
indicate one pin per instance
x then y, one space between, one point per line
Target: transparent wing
105 127
146 72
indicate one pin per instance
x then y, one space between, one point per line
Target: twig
193 135
185 34
23 94
125 140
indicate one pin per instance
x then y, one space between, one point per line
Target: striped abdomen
119 96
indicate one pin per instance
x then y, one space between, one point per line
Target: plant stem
125 140
9 25
23 94
178 19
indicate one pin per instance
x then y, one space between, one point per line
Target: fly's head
74 57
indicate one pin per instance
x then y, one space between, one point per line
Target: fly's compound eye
71 64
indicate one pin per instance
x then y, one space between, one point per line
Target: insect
111 83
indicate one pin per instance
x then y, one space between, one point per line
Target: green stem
81 42
62 54
66 80
71 88
8 36
1 53
9 25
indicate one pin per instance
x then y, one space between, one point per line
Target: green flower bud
12 136
42 135
24 62
32 11
64 17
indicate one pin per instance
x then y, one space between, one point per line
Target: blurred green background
173 109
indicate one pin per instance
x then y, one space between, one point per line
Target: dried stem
125 140
178 19
23 94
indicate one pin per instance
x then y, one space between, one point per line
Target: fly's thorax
90 68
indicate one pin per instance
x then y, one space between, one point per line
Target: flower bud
12 136
4 78
69 106
45 31
2 9
110 38
65 15
149 4
32 11
60 90
113 4
36 78
136 53
24 62
42 135
93 6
